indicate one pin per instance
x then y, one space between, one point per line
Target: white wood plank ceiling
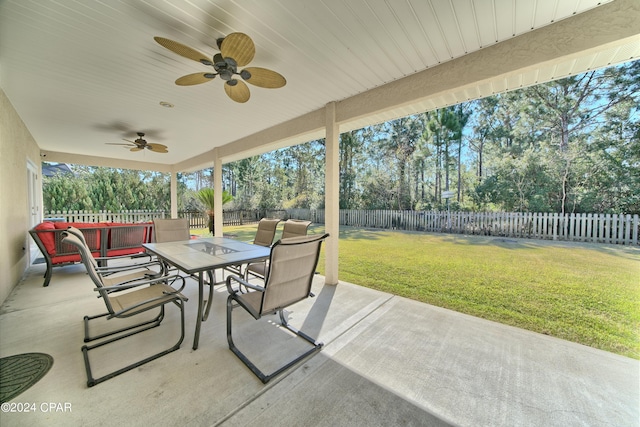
83 73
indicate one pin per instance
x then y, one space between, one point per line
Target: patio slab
387 360
452 368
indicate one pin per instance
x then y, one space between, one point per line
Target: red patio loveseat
106 239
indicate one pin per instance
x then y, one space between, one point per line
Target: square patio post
332 194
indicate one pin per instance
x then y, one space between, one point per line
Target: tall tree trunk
446 165
480 162
438 178
459 169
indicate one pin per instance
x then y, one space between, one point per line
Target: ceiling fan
140 144
236 50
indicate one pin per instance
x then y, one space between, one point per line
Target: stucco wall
16 147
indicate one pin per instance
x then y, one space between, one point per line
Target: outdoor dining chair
292 265
264 237
171 229
131 299
175 230
295 228
291 228
266 231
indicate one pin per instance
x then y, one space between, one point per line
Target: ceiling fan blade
238 46
195 79
158 148
183 50
238 92
131 142
137 149
263 77
117 143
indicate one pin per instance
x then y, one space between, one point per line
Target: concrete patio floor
387 361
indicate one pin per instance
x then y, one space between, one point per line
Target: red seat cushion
47 239
65 225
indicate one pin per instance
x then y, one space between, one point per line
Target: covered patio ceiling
82 74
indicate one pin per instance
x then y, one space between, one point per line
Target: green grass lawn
585 293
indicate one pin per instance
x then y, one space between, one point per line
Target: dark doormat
21 371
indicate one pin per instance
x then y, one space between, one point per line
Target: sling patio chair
175 230
264 237
132 298
295 228
292 265
292 228
266 231
171 229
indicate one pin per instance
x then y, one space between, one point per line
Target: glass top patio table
199 256
196 255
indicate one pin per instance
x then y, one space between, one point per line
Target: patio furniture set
285 268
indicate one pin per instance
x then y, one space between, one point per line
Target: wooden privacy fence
196 219
251 216
587 227
232 217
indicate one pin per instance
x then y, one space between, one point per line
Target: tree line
570 145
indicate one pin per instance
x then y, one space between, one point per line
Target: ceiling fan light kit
236 50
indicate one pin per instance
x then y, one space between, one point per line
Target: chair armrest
149 276
175 293
136 283
111 258
243 283
116 269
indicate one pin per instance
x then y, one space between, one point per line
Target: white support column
217 188
332 194
174 194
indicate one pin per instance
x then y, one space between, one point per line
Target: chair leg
48 273
91 381
298 332
265 378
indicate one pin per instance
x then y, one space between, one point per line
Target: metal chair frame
303 290
151 294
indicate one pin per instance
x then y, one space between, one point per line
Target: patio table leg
212 281
196 336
